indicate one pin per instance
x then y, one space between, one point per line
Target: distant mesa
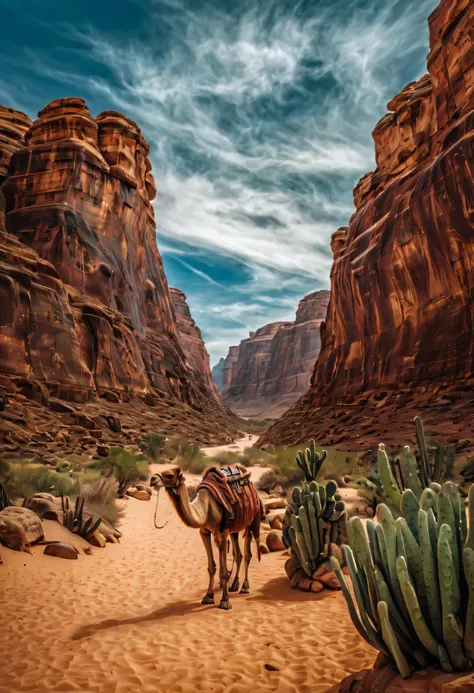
268 371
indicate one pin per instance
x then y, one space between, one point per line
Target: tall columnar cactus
310 461
314 518
407 473
414 582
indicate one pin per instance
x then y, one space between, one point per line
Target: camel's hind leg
211 566
247 559
221 541
238 561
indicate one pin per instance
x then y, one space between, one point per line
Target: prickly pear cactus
413 580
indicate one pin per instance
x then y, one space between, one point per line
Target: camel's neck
192 514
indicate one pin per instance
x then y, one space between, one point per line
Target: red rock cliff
271 369
86 313
197 358
398 339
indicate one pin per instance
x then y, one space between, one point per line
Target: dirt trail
128 619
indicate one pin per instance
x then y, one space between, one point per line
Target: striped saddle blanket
232 488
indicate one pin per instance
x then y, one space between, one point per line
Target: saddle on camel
226 503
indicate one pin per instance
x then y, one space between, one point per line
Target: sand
128 619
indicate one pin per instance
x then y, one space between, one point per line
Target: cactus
73 520
415 589
314 518
422 479
310 461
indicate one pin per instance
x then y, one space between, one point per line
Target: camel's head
170 478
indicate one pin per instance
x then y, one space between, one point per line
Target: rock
193 343
281 503
61 550
305 584
104 285
296 579
317 586
264 549
103 450
143 487
44 503
292 565
274 541
270 369
139 495
387 679
322 569
275 523
19 527
330 581
384 356
97 539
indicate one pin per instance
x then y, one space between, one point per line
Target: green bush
126 467
192 459
152 445
22 481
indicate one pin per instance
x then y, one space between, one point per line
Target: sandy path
128 620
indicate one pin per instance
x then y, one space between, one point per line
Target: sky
259 115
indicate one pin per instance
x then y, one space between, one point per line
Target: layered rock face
269 371
398 338
86 314
197 358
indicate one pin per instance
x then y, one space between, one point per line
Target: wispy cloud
259 117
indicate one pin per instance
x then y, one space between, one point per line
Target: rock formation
217 372
86 315
267 372
197 358
398 338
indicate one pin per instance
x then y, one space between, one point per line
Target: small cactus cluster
313 517
413 580
407 473
73 520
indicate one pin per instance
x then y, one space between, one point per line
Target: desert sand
128 619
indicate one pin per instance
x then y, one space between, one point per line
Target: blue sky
258 114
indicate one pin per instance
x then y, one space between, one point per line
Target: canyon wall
88 328
267 372
398 339
217 373
197 358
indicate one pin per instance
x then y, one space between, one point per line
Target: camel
207 514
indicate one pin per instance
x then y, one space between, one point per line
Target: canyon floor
128 619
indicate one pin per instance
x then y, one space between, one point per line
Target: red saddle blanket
232 488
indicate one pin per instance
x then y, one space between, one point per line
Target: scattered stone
330 581
274 541
61 550
278 504
139 495
97 539
270 667
264 549
292 565
317 586
276 523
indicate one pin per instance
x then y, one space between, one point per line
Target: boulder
42 503
19 527
138 494
97 539
292 565
279 504
264 549
330 581
61 550
275 542
317 586
275 522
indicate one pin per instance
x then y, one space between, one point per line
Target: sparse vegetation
152 445
126 467
100 498
21 480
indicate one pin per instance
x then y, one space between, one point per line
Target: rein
156 510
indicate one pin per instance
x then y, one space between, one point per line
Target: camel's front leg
237 553
221 541
211 566
247 559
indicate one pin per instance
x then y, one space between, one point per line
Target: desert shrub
23 481
227 457
126 467
268 481
100 498
193 460
152 445
284 463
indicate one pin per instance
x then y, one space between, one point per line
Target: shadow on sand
274 590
